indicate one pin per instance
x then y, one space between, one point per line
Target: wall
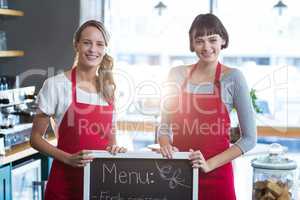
45 34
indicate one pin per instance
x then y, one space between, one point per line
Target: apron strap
217 83
73 79
74 94
218 72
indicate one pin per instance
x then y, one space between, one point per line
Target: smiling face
91 47
207 37
208 47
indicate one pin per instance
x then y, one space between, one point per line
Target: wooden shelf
10 12
289 132
21 151
11 53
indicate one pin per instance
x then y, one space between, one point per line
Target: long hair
105 81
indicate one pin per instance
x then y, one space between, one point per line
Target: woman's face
90 47
208 47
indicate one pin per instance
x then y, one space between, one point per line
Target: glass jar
274 176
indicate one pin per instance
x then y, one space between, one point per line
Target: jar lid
274 160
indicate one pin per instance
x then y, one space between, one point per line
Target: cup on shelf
3 45
3 4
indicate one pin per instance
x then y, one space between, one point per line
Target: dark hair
105 76
207 24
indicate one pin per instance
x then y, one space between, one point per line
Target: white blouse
55 97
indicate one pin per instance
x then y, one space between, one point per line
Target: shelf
21 151
11 53
10 12
14 104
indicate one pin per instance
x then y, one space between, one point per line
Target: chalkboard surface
140 176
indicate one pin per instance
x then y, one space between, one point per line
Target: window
293 61
146 45
238 61
262 44
134 59
265 47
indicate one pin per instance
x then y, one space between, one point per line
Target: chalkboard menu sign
140 176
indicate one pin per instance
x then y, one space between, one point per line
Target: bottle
5 84
2 148
17 82
3 4
1 84
3 45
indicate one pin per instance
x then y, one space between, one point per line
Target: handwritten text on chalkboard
140 179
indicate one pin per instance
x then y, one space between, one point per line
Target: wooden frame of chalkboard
140 176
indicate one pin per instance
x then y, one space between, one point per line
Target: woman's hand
79 159
114 149
167 150
199 161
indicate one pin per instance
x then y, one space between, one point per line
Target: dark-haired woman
80 102
195 114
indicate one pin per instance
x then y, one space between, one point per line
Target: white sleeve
47 97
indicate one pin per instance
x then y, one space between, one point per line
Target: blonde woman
80 102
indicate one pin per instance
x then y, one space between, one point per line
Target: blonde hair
105 84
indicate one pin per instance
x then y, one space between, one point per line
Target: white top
55 97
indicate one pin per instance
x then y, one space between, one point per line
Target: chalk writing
125 177
172 175
107 195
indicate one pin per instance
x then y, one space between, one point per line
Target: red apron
84 126
201 122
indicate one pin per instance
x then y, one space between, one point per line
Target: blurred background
148 38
